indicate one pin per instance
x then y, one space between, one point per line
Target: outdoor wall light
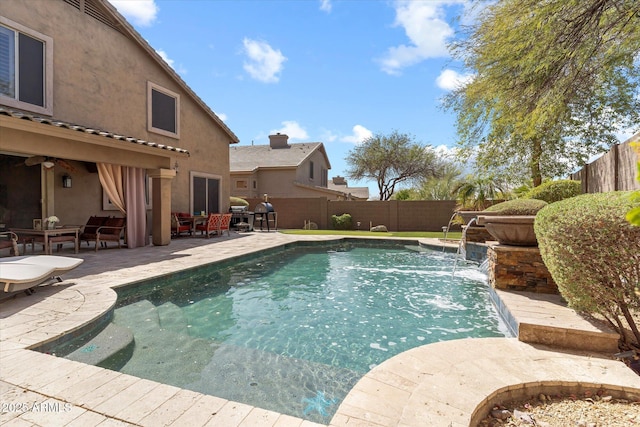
66 181
175 166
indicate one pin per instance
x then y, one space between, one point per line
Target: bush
517 207
237 201
341 222
593 254
554 191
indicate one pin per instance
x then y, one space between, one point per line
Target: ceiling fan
48 162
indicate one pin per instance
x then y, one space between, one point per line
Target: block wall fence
419 215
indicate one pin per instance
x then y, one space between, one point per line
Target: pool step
172 318
112 342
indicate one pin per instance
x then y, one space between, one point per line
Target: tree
442 187
554 81
390 160
477 193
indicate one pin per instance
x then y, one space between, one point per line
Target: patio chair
110 231
225 223
180 225
91 227
9 239
211 226
21 273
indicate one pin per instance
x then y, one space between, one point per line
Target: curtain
111 180
125 188
135 198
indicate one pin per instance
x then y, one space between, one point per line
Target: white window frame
47 109
150 88
207 176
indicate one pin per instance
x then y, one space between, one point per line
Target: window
310 170
324 175
205 193
163 115
26 68
242 184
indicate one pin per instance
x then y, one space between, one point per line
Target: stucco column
161 205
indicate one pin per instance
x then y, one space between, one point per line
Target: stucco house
84 99
281 169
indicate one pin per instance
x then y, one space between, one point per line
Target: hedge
593 254
554 191
517 207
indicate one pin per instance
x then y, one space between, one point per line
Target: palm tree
477 193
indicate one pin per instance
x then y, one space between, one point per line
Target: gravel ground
589 410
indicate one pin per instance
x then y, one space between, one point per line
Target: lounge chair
25 272
211 226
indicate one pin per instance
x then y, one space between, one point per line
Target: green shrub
593 254
237 201
554 191
517 207
341 222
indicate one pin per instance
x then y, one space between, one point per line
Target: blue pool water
294 331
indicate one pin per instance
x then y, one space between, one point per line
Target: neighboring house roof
248 158
340 184
57 123
126 29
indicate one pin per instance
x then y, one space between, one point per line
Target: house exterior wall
319 164
100 79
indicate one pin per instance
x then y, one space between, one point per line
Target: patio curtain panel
135 198
111 180
125 187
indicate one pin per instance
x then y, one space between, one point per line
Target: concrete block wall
424 215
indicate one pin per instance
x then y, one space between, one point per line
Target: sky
330 71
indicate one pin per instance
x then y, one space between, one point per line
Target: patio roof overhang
25 134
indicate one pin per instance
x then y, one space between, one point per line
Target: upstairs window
310 170
163 111
26 69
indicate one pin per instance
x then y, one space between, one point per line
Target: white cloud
292 129
360 133
428 32
139 12
222 116
263 62
325 5
451 79
178 68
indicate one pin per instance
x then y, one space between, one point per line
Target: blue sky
333 71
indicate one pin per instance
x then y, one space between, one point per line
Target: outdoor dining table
195 220
49 236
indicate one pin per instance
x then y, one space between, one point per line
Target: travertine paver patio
437 384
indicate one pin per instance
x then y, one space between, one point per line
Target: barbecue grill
240 215
264 213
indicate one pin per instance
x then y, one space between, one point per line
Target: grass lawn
424 234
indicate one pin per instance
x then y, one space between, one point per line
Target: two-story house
94 122
281 169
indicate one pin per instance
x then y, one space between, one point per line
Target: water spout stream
461 246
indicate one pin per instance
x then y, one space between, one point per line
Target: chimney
278 141
339 180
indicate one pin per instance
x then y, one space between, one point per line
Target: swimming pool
294 331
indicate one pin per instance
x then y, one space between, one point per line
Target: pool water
294 331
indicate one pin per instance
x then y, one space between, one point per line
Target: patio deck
437 384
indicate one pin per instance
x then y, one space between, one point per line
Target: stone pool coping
417 387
